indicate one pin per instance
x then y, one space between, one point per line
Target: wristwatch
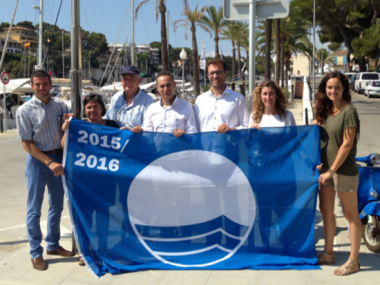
331 171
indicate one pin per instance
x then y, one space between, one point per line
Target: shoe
39 263
322 258
351 266
80 261
60 251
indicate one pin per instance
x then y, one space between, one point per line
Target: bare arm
34 151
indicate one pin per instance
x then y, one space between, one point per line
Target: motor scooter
369 199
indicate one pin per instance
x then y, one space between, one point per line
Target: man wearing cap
39 124
220 109
170 114
128 106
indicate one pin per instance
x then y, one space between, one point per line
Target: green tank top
332 138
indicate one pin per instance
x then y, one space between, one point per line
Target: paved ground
16 268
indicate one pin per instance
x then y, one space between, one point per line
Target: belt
54 151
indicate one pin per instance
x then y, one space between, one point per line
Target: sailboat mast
76 59
6 40
40 26
133 34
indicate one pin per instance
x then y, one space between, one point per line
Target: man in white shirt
220 109
170 114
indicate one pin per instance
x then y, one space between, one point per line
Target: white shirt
229 108
179 115
275 120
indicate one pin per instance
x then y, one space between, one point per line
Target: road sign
5 77
265 9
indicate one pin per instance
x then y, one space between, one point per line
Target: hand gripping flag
241 200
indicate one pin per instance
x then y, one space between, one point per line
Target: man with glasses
128 106
220 109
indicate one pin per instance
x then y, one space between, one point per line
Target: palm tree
242 33
268 45
231 33
323 57
277 48
193 17
293 29
161 7
214 23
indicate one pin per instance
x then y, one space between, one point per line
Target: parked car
363 78
350 75
353 80
372 88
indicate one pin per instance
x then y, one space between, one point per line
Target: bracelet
47 164
331 171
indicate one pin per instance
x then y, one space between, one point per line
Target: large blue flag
241 200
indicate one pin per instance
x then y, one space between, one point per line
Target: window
370 76
376 83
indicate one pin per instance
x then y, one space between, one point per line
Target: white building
154 53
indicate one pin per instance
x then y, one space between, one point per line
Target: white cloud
210 54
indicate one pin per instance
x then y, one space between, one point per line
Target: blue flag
241 200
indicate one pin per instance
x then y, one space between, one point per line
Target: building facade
22 35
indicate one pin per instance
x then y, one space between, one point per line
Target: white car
363 78
372 88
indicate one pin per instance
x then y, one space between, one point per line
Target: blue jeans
38 175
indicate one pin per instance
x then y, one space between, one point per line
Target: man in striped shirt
39 128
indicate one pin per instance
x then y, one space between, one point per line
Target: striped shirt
128 116
41 123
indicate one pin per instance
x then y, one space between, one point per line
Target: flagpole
29 63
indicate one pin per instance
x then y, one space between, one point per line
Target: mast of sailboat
167 32
6 40
76 59
63 54
133 34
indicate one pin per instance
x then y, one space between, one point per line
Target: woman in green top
339 124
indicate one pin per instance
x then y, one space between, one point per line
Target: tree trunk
195 62
277 48
216 39
268 41
233 63
375 10
239 60
282 65
164 39
362 64
287 65
348 62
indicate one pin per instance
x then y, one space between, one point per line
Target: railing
307 103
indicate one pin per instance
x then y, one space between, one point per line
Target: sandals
80 261
325 258
351 266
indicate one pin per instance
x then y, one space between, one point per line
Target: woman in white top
269 107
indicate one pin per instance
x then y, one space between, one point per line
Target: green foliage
335 46
286 93
369 45
4 25
206 88
26 24
98 42
340 20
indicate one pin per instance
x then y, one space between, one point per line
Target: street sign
265 9
5 77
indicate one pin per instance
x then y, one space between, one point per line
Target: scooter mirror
375 159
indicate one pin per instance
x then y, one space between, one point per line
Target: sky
106 17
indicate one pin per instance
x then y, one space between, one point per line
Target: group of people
220 109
